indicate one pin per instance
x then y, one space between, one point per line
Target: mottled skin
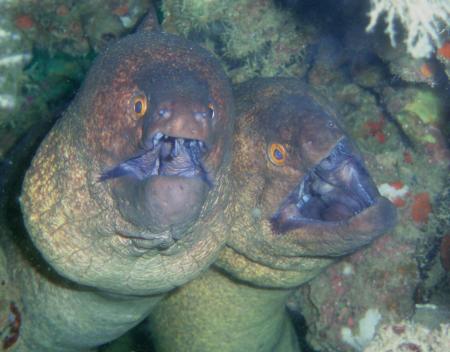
238 305
112 242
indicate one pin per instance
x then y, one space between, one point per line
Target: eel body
302 198
124 199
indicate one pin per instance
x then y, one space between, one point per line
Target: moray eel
302 198
125 197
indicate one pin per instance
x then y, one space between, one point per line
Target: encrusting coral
423 20
407 336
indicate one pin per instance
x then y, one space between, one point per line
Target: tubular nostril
200 116
164 113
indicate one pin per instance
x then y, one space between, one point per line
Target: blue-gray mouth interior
164 156
336 189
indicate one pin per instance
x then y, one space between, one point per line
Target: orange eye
139 105
277 153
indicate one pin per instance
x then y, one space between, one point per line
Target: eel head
301 178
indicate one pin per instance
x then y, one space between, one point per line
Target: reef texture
15 54
424 21
402 128
402 132
253 38
46 49
406 336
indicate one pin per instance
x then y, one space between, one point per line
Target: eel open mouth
164 155
334 190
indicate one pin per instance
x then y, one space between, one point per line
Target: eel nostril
200 116
164 113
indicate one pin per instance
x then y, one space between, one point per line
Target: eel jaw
333 191
163 193
164 155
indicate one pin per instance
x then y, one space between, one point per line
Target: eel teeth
155 140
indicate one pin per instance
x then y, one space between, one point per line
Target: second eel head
307 181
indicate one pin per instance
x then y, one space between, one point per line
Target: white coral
423 20
14 55
366 330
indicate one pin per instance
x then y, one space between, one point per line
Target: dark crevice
404 138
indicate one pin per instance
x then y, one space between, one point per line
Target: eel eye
139 104
277 153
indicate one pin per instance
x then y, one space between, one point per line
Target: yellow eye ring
139 105
277 153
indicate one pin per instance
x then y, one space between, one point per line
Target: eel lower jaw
163 192
335 190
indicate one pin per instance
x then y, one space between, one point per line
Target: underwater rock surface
46 49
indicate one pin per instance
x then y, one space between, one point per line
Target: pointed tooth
202 146
157 136
179 142
176 148
155 170
156 139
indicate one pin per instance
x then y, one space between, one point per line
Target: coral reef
344 305
10 316
421 113
423 21
46 48
10 321
406 336
15 54
443 55
402 131
253 38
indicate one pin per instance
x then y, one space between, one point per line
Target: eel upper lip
334 190
163 155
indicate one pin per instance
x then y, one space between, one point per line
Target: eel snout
165 189
336 206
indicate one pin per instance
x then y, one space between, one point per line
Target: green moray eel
302 198
124 199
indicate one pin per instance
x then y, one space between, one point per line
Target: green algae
56 77
47 84
419 111
253 38
426 106
57 40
